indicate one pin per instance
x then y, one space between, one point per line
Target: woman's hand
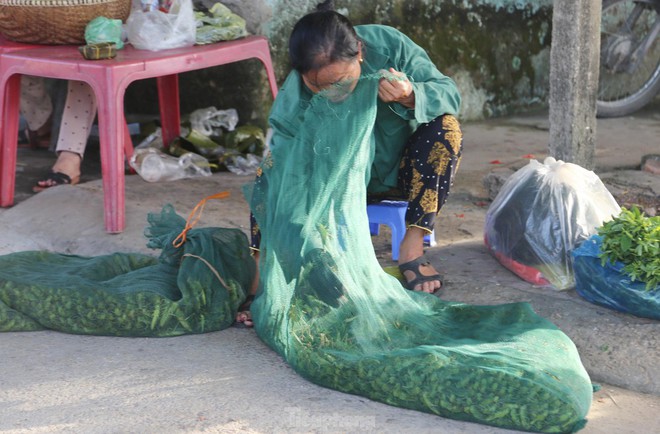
397 90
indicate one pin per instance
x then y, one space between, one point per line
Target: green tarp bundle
325 304
194 288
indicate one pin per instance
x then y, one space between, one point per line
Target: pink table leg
168 100
9 138
110 97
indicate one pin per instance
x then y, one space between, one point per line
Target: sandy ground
229 381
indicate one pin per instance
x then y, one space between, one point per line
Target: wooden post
574 68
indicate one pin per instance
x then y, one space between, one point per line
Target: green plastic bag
219 24
102 29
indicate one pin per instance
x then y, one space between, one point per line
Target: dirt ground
229 381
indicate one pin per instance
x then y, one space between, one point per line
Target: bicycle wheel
630 56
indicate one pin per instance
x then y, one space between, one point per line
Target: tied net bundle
194 288
339 320
541 214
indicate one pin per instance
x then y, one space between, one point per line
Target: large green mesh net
194 288
325 304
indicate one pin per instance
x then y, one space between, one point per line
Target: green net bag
193 287
325 304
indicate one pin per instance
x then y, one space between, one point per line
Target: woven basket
55 22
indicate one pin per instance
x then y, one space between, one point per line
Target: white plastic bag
155 166
241 165
541 214
208 121
155 30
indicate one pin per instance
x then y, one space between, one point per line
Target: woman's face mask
339 91
335 81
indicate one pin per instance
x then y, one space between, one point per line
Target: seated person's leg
430 160
77 119
36 107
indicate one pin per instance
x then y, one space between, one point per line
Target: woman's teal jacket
383 48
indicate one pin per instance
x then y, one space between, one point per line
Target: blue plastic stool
392 214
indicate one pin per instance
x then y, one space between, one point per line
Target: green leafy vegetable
634 240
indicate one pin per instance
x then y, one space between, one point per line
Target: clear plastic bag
153 140
155 166
208 121
155 30
541 214
243 165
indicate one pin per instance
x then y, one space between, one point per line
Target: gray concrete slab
229 381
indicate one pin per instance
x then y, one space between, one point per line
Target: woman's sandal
243 316
414 266
53 179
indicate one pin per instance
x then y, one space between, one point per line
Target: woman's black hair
321 38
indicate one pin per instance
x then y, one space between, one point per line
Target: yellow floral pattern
429 201
415 184
427 169
440 155
439 158
453 132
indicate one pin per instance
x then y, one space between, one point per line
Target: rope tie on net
194 217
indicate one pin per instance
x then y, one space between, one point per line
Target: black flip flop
419 277
55 178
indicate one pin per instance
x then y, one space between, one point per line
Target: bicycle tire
633 92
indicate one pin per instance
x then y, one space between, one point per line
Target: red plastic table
109 80
6 45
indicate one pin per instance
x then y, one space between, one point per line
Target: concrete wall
498 52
